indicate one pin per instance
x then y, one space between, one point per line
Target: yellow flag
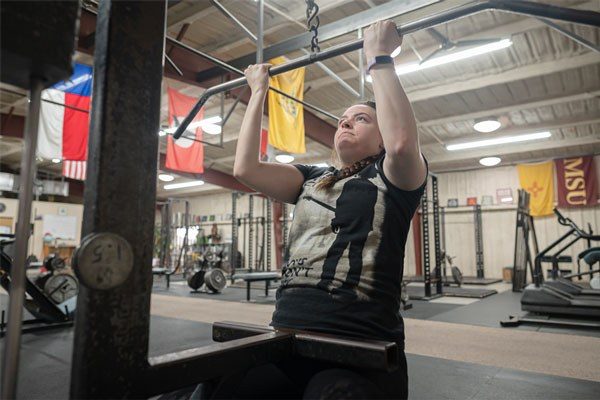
286 116
538 180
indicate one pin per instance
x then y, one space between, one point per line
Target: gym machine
110 354
558 296
52 295
523 254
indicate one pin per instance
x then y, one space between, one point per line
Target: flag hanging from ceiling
286 116
538 180
577 182
64 121
264 144
186 153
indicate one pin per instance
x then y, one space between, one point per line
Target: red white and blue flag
64 122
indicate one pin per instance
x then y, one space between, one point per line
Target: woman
350 225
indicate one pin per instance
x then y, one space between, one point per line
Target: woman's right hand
257 76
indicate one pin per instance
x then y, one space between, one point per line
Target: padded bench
163 272
267 277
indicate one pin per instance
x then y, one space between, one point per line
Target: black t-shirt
346 256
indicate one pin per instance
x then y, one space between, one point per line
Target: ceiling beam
297 14
326 32
516 74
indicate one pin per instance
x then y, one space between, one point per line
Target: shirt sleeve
310 171
417 193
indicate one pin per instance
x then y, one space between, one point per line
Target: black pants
308 379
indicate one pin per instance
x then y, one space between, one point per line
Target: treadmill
559 295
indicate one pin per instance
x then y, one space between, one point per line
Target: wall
498 221
38 209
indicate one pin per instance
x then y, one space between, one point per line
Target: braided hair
329 180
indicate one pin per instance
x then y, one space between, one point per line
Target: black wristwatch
379 60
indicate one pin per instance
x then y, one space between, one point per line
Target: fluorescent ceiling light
284 158
506 200
497 141
56 160
166 177
183 185
450 57
324 165
162 132
487 125
396 52
490 161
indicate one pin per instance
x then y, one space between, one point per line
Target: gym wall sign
577 183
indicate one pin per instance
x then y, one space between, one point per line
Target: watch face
2 207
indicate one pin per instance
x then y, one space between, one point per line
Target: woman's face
357 134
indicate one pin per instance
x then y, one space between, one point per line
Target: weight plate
457 275
197 280
61 287
215 280
103 261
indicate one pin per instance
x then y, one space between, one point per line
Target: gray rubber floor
45 369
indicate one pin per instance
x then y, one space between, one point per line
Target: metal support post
260 36
250 232
12 343
361 68
110 351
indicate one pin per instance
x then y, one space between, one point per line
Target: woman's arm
279 181
403 165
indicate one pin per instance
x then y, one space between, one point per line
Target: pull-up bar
528 8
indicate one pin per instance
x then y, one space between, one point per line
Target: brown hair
339 174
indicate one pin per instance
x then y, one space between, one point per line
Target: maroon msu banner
577 182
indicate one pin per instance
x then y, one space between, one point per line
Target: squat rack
110 357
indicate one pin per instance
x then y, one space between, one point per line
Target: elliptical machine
558 294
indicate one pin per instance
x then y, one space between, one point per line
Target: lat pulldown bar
528 8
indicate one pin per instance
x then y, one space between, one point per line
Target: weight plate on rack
61 287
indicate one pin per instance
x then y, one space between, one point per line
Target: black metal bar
436 235
362 353
66 106
585 17
176 370
111 333
478 242
425 248
207 94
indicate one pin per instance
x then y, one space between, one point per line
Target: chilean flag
64 122
186 153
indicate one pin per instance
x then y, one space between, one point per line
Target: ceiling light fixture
183 185
396 52
487 125
166 177
56 160
452 56
499 140
490 161
284 158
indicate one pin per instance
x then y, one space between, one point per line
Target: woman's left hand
380 39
